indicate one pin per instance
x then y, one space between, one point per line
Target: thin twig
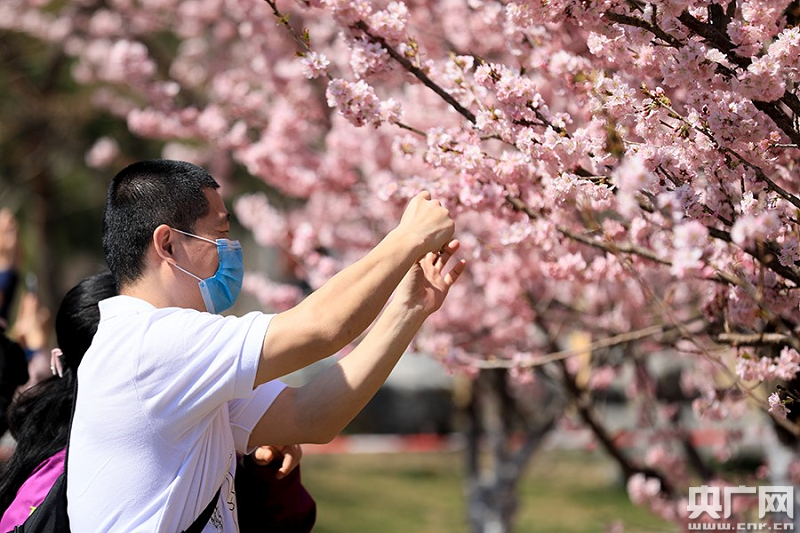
758 339
608 342
284 20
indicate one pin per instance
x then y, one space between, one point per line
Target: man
169 392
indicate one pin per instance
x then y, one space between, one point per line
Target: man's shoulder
130 306
123 319
127 312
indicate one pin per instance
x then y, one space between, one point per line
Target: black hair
143 196
13 373
39 417
79 315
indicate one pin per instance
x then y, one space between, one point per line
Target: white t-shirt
165 400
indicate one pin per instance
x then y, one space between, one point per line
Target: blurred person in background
31 331
13 373
13 365
31 324
9 263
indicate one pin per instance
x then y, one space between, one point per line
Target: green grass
562 492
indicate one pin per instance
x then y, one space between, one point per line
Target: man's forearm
340 393
339 311
319 410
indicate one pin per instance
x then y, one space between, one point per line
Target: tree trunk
502 436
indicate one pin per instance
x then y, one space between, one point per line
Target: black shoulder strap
74 372
198 525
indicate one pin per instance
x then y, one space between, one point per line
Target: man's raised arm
320 410
340 310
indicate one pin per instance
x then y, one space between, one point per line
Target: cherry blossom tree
623 173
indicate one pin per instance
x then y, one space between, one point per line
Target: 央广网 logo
705 500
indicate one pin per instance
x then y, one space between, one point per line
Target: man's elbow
296 435
323 435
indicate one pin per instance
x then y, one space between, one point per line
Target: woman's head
78 316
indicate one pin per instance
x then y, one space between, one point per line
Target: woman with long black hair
39 418
273 497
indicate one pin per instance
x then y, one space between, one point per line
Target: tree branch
417 72
774 112
609 342
522 207
590 418
764 252
758 339
628 20
728 152
715 36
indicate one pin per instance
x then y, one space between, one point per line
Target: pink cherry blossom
777 407
314 65
103 153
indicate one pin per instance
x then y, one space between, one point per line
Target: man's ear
162 242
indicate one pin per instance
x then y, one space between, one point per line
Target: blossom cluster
766 368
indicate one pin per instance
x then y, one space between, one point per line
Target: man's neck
147 292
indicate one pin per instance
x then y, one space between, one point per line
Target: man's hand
426 285
428 222
32 323
290 456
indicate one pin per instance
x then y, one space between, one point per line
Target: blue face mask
221 290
